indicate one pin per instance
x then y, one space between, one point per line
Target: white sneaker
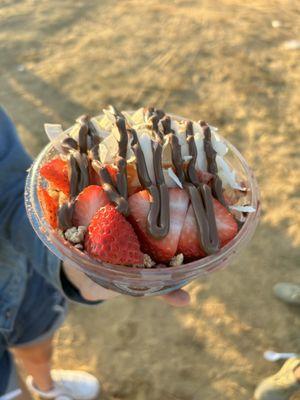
68 385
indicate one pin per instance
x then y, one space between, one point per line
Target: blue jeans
35 321
32 302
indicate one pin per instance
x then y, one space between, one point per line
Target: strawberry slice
189 240
111 238
88 203
161 250
49 206
56 172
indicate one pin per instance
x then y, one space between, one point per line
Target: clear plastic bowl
140 281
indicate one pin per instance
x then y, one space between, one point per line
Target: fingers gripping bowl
162 277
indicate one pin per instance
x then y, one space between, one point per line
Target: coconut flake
201 163
128 118
245 208
103 152
104 122
108 149
101 132
227 175
175 125
174 177
116 133
53 131
168 180
138 117
218 145
55 134
109 115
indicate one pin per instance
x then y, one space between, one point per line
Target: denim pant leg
42 308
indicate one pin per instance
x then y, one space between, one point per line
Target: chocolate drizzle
91 138
78 167
73 175
158 219
204 213
69 144
82 137
65 212
86 151
176 156
211 163
65 215
109 188
199 193
153 116
94 153
83 165
121 158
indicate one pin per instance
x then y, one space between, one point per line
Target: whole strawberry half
49 206
161 250
88 203
56 173
111 238
189 238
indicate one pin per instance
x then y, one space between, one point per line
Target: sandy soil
220 60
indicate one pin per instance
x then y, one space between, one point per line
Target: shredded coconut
75 235
148 262
177 260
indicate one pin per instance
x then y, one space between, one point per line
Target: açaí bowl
140 281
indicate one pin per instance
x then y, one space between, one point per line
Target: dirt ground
222 60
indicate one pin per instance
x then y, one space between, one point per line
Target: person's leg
10 382
40 315
297 373
282 385
44 382
36 361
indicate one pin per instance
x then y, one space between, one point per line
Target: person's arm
14 223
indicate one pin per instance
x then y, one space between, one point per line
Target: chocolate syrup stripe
86 119
65 215
69 144
199 195
211 164
154 115
78 165
158 219
73 173
94 153
108 187
82 137
79 179
121 160
205 192
191 168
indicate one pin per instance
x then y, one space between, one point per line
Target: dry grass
218 59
